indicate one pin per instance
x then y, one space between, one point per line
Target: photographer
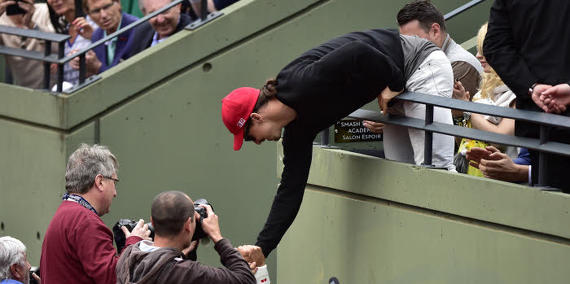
24 14
163 261
77 244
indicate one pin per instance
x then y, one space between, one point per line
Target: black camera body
14 9
199 232
120 238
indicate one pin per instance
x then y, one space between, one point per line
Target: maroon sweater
78 248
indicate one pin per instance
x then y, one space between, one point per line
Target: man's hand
92 63
210 224
475 154
29 7
459 92
140 230
82 27
193 245
536 92
253 255
556 98
374 127
496 165
37 278
385 97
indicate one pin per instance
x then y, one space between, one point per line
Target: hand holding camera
210 224
140 230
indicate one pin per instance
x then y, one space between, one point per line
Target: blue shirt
10 281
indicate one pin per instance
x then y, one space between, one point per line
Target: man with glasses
108 15
158 28
77 245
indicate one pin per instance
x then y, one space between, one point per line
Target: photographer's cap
236 109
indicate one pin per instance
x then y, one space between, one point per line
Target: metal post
325 137
82 67
60 54
203 10
542 165
47 70
428 143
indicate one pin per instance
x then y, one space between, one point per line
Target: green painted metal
368 220
159 112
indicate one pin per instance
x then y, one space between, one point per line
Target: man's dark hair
169 211
266 93
423 11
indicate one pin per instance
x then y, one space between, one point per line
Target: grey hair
85 164
12 251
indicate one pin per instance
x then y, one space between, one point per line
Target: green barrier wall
159 112
368 220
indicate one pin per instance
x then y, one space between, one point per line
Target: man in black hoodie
163 261
326 84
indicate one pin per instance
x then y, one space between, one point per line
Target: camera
14 9
199 232
120 238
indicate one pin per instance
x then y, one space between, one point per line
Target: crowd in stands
476 80
94 20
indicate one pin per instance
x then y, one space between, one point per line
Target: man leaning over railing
25 14
108 15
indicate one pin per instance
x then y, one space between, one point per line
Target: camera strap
80 200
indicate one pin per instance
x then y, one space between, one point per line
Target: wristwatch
531 89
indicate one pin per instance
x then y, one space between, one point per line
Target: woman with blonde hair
493 92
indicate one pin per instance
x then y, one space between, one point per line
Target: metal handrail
542 144
462 9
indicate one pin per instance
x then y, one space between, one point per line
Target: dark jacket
528 42
142 37
121 47
166 265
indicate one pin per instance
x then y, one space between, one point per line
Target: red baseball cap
236 109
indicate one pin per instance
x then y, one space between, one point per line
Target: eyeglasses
98 10
115 180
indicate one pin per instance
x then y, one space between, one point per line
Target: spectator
527 44
107 14
339 76
77 244
493 92
14 265
158 28
496 165
421 18
162 261
65 21
25 72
